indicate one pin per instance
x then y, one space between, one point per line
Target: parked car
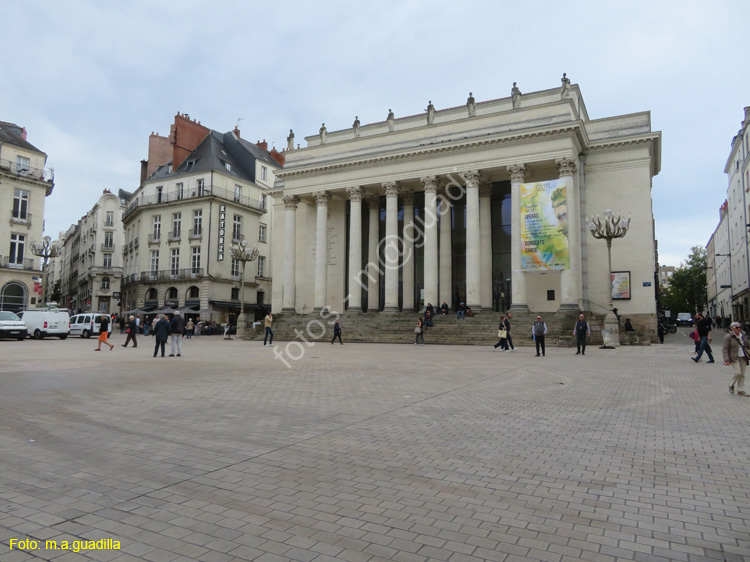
684 319
42 322
88 324
11 326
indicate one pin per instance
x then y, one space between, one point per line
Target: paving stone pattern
367 452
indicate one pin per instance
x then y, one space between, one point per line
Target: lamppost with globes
240 252
608 228
46 249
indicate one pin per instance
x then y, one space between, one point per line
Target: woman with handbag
419 331
502 334
736 351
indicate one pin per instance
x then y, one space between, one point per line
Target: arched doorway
13 297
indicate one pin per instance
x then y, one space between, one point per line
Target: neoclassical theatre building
483 203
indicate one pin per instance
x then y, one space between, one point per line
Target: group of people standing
581 331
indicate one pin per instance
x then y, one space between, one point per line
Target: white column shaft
446 253
430 248
407 268
473 279
518 281
290 235
373 260
391 249
570 279
321 256
485 245
355 253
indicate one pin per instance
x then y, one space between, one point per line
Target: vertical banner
544 225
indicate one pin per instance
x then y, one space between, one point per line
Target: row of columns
437 268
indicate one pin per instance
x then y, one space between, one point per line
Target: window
109 240
201 187
110 220
237 228
20 204
172 293
22 165
197 221
154 261
235 267
174 265
261 266
263 200
107 260
103 306
228 166
235 293
194 293
17 245
157 227
262 233
180 191
237 192
263 173
105 282
195 261
176 224
551 295
159 191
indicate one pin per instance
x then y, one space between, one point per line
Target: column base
610 324
390 309
289 310
518 307
355 310
568 306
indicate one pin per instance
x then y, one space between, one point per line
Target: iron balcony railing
108 247
195 233
173 236
15 263
195 193
154 238
170 274
23 218
8 166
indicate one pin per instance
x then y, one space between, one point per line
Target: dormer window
228 166
169 168
190 164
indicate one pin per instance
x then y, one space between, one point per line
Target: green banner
544 225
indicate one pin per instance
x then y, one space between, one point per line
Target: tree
687 287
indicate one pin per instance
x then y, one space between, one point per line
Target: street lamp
241 253
45 249
608 228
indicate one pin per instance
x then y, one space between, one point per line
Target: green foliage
687 287
56 291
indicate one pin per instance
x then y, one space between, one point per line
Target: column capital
566 166
291 202
485 188
430 184
408 196
355 193
322 198
392 188
517 173
471 178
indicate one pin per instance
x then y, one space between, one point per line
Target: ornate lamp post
241 253
608 228
45 249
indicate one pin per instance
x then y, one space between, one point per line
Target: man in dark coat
161 334
704 333
132 332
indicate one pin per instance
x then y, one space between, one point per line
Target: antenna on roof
238 122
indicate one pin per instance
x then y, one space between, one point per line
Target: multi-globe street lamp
608 228
241 253
46 249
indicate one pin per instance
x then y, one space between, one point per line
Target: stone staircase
399 327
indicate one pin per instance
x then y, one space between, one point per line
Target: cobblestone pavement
370 452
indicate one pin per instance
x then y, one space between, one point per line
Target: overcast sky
90 80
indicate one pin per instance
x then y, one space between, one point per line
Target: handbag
417 330
502 334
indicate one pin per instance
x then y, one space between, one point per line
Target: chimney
236 132
185 136
263 145
159 153
23 131
144 171
278 156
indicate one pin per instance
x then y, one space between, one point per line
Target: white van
88 324
42 322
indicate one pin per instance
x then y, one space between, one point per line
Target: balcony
154 238
236 237
173 236
170 274
108 247
135 243
38 174
195 233
23 218
6 261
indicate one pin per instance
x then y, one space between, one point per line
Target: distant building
24 187
201 192
665 274
718 278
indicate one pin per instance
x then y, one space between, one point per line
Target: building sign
37 284
222 230
544 225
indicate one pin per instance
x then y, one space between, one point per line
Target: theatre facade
484 203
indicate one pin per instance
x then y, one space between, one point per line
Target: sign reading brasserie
544 225
222 230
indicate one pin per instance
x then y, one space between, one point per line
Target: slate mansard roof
10 133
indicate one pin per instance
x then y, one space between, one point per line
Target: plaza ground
371 452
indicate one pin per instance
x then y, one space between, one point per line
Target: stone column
430 184
407 267
473 268
373 258
446 251
355 248
290 248
518 280
391 246
570 279
485 244
321 250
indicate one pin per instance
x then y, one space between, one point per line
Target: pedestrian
502 335
132 331
198 328
444 309
337 332
161 333
461 311
177 326
508 339
122 324
104 334
419 331
269 332
428 317
189 329
736 350
629 326
660 328
538 331
153 324
581 331
704 333
138 324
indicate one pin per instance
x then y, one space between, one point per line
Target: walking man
269 331
736 351
161 334
704 333
581 332
337 333
132 331
508 339
178 329
538 331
